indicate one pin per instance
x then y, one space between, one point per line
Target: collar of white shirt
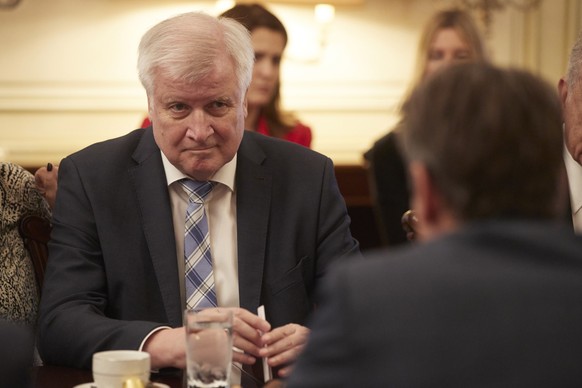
224 175
574 171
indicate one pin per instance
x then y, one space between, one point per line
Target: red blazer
300 134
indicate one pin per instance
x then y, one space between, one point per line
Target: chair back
36 232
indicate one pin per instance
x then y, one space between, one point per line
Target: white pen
267 373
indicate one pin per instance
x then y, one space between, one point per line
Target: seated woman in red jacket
265 114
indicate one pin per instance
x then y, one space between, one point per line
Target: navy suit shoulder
279 152
115 153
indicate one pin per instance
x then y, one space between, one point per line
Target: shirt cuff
148 336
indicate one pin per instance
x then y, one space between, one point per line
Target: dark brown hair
253 16
491 139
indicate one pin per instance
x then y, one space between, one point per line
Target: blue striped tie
200 292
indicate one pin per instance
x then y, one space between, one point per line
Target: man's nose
199 125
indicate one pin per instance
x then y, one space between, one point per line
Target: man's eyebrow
224 99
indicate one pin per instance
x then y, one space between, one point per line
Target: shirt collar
224 175
574 171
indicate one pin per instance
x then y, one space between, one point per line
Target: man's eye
178 107
218 104
218 108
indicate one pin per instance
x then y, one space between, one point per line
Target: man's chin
201 170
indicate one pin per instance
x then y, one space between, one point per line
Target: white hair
185 47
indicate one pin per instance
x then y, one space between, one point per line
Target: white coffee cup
111 369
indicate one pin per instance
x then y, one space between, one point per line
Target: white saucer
93 385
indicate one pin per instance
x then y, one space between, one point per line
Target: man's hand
246 334
283 345
167 348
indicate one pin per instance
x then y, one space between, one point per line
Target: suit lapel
253 198
149 181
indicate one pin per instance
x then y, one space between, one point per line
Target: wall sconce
222 5
485 8
323 13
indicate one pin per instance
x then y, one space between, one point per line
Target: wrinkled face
268 45
199 126
572 110
446 48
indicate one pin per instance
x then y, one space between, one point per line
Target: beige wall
67 68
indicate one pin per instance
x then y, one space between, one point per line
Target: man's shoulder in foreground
414 314
480 242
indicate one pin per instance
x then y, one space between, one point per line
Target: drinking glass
208 347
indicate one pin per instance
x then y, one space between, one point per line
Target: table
64 377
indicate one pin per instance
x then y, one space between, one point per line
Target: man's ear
563 91
246 104
426 200
150 106
421 188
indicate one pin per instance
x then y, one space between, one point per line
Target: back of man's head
490 139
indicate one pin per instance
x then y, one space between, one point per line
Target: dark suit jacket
112 274
390 188
498 304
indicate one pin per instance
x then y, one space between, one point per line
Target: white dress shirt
574 171
220 207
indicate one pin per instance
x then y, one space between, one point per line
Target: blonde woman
450 36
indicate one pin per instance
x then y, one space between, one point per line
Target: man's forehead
205 88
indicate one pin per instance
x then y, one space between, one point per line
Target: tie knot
197 190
